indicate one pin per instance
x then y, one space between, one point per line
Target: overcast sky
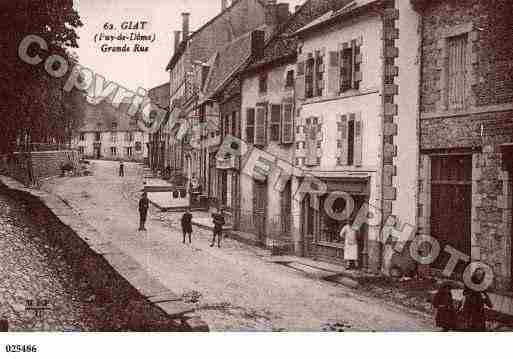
133 69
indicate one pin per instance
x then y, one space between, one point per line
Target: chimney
177 39
282 12
185 25
257 44
224 5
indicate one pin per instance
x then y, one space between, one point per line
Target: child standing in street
187 225
445 311
121 169
218 219
144 204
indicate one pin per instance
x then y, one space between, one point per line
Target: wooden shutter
260 126
300 77
311 144
346 66
287 124
357 55
275 122
333 73
344 139
358 139
250 125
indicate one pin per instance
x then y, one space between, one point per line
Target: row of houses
406 105
109 132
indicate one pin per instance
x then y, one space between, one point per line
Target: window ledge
347 94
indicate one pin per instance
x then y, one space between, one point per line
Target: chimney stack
224 5
177 39
185 25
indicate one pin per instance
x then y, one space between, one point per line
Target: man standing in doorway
121 169
144 204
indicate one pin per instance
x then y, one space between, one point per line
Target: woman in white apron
350 237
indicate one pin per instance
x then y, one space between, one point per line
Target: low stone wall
29 167
120 282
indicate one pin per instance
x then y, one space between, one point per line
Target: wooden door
260 209
451 205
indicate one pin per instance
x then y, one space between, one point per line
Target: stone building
159 96
267 115
193 127
109 132
466 126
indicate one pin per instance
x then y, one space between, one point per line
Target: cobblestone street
234 287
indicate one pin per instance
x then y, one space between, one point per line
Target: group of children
186 221
466 316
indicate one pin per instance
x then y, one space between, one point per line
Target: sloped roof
227 62
101 117
283 44
333 15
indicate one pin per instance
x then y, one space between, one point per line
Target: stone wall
29 167
490 28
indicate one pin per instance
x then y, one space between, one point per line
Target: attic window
114 124
98 124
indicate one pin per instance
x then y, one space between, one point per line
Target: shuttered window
350 65
309 76
287 136
250 125
235 120
457 71
350 145
260 126
300 77
275 123
319 72
311 143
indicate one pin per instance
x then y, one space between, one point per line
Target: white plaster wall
368 106
369 28
407 139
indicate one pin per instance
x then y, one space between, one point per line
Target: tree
34 106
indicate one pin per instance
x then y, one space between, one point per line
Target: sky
138 69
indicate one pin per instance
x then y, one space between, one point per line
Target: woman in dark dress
445 310
474 305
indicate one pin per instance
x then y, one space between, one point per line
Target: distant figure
218 219
187 225
473 310
144 204
121 169
350 237
445 310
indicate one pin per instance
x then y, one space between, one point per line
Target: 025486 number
17 348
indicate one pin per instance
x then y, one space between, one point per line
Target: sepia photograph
325 167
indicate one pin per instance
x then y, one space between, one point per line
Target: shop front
325 214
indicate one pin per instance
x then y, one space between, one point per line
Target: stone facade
482 127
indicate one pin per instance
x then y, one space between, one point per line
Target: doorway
451 205
260 210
